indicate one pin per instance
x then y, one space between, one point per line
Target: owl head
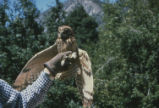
66 40
65 32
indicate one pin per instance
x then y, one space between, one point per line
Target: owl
81 69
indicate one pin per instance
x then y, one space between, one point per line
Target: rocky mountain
92 7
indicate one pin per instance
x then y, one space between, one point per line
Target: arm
7 94
28 98
34 94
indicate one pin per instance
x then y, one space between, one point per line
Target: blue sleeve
28 98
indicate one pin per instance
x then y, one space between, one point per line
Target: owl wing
33 67
84 78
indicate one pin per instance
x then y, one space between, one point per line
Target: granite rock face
92 7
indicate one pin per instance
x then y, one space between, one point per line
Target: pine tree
54 19
23 38
84 26
3 17
127 69
27 14
3 34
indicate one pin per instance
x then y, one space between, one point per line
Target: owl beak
64 36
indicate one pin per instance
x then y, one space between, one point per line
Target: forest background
124 50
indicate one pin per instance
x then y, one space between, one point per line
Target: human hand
60 62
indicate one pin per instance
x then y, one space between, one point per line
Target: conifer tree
84 26
3 17
54 19
23 38
26 15
127 69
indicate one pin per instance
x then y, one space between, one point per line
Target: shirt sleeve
28 98
7 94
34 94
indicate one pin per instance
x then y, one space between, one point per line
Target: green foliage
130 37
124 55
17 44
3 17
84 26
63 94
27 13
55 19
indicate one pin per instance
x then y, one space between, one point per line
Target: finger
64 54
74 55
67 53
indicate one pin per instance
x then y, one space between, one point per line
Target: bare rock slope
92 7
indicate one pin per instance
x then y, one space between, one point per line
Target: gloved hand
60 62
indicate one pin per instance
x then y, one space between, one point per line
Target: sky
43 5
